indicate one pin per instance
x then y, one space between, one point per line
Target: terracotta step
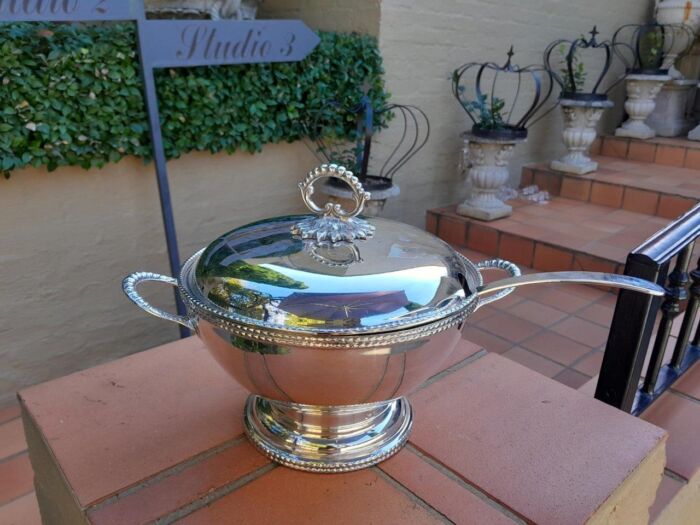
563 234
676 152
651 189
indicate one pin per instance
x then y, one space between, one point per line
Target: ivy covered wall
71 95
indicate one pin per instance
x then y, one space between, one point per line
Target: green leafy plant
651 47
489 114
71 95
578 69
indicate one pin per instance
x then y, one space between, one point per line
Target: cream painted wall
68 238
423 42
361 16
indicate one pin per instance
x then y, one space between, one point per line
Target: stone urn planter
489 158
642 90
580 120
501 110
682 18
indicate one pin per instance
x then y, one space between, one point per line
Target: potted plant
499 123
376 172
581 103
644 50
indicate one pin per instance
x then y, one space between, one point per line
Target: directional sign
69 10
178 43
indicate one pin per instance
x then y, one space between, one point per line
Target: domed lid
332 273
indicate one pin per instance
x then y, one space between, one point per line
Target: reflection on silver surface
324 439
250 273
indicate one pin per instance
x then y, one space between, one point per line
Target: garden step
176 450
562 234
676 152
631 185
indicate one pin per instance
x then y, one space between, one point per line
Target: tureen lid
333 272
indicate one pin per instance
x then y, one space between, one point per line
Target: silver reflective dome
265 274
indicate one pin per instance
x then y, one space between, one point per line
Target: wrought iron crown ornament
644 48
497 99
563 59
411 126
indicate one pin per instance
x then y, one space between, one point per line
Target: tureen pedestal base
328 438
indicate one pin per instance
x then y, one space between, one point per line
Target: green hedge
71 95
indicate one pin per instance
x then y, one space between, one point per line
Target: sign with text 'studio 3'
175 43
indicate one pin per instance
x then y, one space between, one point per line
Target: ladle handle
612 280
497 264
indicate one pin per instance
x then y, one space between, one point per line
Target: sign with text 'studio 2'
175 43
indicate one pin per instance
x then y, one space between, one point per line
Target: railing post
691 311
671 307
626 349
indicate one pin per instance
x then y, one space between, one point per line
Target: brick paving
559 331
18 505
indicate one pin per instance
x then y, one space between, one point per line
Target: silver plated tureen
331 319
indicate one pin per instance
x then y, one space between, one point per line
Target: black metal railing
637 315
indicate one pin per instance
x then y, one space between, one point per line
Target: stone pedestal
580 120
670 117
488 173
373 207
158 437
641 101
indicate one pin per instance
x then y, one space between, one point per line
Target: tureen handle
497 264
132 281
359 194
333 224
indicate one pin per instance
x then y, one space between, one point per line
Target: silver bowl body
323 403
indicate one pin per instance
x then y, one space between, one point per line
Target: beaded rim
360 337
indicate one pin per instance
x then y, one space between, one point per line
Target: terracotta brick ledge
676 152
563 234
158 435
650 189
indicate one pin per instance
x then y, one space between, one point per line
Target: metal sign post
175 43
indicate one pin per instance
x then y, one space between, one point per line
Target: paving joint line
684 396
12 500
415 498
544 329
214 495
467 485
18 416
164 474
457 366
16 455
